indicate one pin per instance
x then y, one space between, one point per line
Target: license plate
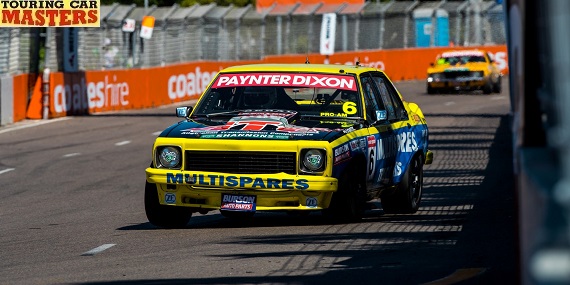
243 203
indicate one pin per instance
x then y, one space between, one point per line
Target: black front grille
241 162
456 74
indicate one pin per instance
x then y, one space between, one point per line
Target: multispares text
235 181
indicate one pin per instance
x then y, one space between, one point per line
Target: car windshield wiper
235 112
226 113
331 118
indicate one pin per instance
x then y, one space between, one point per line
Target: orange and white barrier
89 92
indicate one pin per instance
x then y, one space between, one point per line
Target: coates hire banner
50 13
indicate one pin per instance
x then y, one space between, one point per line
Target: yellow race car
464 70
290 137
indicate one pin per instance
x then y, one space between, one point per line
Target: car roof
308 68
470 52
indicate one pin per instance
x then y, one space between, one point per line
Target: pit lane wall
87 92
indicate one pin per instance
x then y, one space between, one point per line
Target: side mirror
183 112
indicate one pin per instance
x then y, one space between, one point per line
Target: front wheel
497 86
349 201
163 216
406 199
488 87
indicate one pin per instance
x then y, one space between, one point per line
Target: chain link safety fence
211 32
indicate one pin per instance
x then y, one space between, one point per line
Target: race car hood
474 66
253 126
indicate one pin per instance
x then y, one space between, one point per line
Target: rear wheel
163 216
406 199
349 201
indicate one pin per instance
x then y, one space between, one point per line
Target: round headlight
313 160
169 157
434 77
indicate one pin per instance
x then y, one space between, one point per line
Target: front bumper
277 192
465 83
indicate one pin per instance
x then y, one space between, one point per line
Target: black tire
163 216
488 87
408 194
430 90
348 203
497 86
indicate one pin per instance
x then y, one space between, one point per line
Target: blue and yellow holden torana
293 138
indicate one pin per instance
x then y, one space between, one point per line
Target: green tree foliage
183 3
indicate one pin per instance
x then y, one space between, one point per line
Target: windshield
461 59
306 94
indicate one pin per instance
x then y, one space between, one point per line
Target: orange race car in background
464 70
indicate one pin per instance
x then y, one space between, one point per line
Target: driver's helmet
259 97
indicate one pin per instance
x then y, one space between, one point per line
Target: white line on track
156 133
72 154
122 143
498 97
25 125
6 170
449 103
98 249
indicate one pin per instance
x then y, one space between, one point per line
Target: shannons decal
244 134
345 82
236 181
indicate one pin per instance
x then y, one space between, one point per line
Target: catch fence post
45 93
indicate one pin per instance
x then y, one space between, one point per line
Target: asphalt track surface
71 211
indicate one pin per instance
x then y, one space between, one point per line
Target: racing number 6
371 162
349 108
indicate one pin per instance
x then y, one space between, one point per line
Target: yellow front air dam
273 191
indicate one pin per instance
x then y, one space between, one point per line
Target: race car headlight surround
435 77
313 160
168 157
